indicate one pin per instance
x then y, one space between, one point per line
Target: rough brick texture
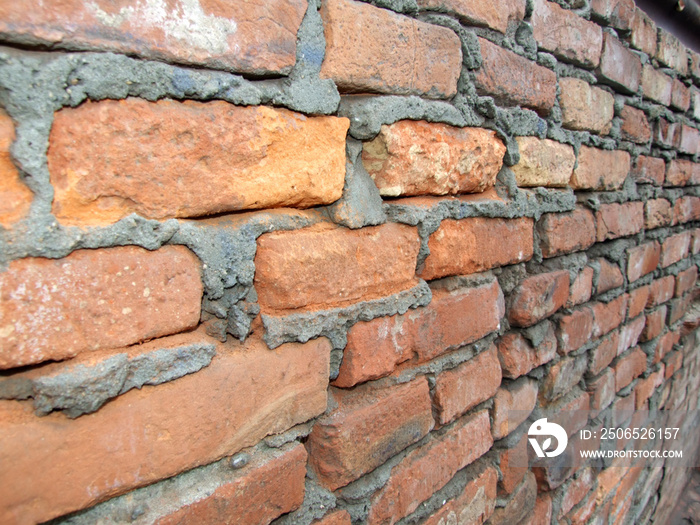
619 220
479 13
538 297
543 163
15 197
619 67
562 233
600 169
584 107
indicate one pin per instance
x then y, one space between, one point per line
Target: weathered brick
512 405
566 35
664 345
680 96
248 38
575 329
602 391
475 504
427 469
92 299
685 209
561 377
649 170
157 432
600 169
476 244
576 490
15 197
643 34
562 233
661 290
570 412
481 13
654 324
339 517
667 134
520 505
689 140
421 158
642 260
628 367
609 277
694 66
106 161
608 316
675 248
262 493
602 355
678 172
645 388
695 242
542 513
657 213
543 162
582 288
383 262
672 52
695 102
685 281
635 126
513 80
629 334
372 49
513 463
465 386
585 107
518 355
674 362
656 86
369 426
638 301
538 297
618 13
619 220
619 67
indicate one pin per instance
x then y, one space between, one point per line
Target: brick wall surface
326 262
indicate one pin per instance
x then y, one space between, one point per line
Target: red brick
619 67
561 377
674 362
664 345
656 85
600 169
619 220
649 170
695 243
675 248
643 34
582 288
695 102
654 325
106 161
512 405
519 506
375 50
645 388
657 213
571 413
261 493
602 391
609 478
680 96
678 172
340 517
628 367
609 277
477 244
53 309
513 80
583 106
311 267
576 490
543 162
157 432
542 513
635 126
369 426
566 35
661 290
481 13
248 38
667 134
604 353
638 301
686 209
629 334
465 386
689 140
642 260
513 463
538 297
427 469
678 308
474 505
618 13
608 316
562 233
672 52
421 158
583 511
575 329
685 281
15 197
518 356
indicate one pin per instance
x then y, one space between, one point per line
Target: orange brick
576 490
638 301
538 297
657 213
584 107
480 13
542 513
369 426
602 391
608 316
675 248
562 233
311 267
513 463
629 334
642 260
686 209
685 281
645 388
518 356
635 126
619 67
610 276
106 161
427 469
619 220
339 517
561 377
519 506
661 290
375 50
582 288
575 329
628 367
604 353
15 197
654 324
600 170
261 494
543 162
477 244
465 386
156 432
678 172
107 298
512 405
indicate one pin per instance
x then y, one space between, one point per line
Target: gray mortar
471 51
83 389
293 434
361 203
317 502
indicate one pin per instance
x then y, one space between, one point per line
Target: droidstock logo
542 427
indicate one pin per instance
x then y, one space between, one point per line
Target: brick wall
302 263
